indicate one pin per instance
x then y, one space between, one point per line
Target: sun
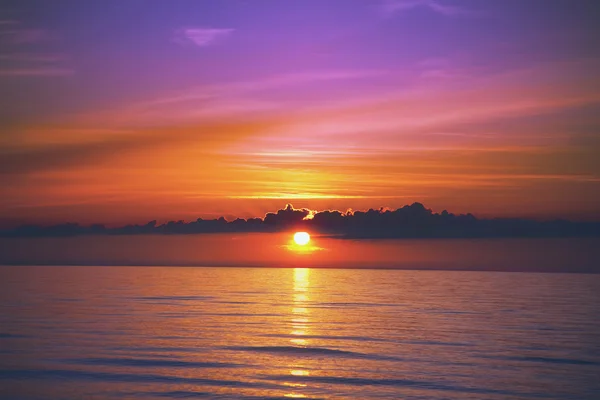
301 238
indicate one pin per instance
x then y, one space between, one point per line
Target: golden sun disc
301 238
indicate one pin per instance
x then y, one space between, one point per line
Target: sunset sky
131 110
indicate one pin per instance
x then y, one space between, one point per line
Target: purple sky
118 111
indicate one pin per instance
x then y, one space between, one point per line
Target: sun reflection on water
300 323
300 312
299 372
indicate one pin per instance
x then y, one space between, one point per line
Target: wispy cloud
24 56
244 98
392 7
14 33
42 58
201 37
37 71
28 36
274 82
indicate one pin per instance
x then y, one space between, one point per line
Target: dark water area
276 333
278 250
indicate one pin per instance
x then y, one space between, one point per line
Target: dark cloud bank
413 221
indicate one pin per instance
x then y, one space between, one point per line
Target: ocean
93 332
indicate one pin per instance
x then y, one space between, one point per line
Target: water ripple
328 337
309 351
81 375
149 362
216 333
421 384
550 360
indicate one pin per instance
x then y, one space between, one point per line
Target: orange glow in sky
495 125
447 150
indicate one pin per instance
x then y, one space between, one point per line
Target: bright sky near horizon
130 110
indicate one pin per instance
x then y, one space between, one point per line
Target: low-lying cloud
410 221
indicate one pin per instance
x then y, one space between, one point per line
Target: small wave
551 360
184 394
236 397
309 351
351 304
436 343
68 300
426 385
149 362
174 298
241 314
11 336
156 349
78 375
327 337
174 394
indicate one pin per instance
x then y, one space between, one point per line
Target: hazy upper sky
129 110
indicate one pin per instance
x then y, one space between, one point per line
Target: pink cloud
392 7
200 37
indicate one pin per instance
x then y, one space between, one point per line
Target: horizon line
409 221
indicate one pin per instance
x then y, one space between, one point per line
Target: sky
126 111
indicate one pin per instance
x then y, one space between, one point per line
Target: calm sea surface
237 333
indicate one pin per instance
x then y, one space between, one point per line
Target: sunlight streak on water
300 317
300 313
